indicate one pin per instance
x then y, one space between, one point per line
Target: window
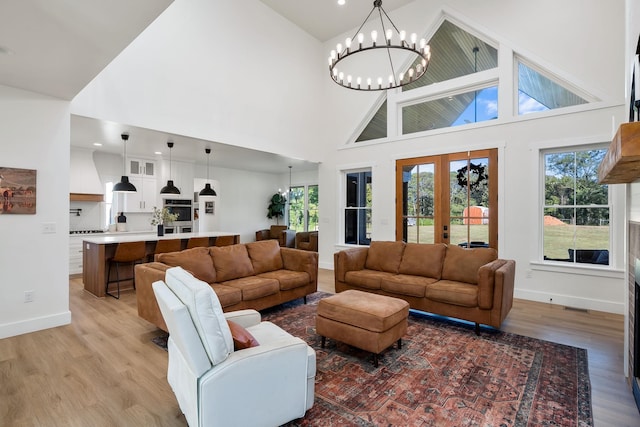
303 208
454 110
537 92
576 208
357 211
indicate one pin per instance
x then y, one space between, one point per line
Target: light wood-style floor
103 369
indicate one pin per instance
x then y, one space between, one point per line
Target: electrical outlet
529 274
29 296
48 227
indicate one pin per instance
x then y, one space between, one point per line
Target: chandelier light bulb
369 82
423 43
347 43
335 73
341 76
401 77
359 81
374 36
333 54
403 35
360 39
379 82
389 35
339 48
330 60
410 73
414 37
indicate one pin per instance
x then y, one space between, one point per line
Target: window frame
343 203
305 207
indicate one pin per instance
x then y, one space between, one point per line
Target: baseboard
36 324
570 301
326 265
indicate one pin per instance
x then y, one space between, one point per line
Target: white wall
34 130
228 71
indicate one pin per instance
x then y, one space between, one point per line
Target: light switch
48 227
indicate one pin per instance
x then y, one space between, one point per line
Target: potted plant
160 216
276 207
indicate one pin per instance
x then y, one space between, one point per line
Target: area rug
444 375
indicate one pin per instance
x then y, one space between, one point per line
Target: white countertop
148 236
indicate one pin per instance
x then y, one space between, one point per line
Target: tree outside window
576 209
303 208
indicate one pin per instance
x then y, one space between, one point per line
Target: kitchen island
97 249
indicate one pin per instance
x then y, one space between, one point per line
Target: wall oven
184 209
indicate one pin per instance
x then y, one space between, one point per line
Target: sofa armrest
268 376
504 288
244 318
299 260
313 241
349 260
145 275
488 276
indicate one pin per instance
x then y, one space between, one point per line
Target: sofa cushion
385 256
288 279
456 293
227 295
368 279
265 256
197 261
402 284
205 310
254 287
423 259
231 262
241 337
462 265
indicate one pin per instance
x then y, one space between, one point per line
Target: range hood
621 164
84 182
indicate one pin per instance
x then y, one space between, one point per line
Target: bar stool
194 242
163 246
225 240
126 253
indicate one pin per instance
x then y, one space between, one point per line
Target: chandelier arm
384 32
361 25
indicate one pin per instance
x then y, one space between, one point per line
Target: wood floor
103 369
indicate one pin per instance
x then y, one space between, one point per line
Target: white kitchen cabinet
75 254
146 196
142 168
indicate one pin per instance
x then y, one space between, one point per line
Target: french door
449 198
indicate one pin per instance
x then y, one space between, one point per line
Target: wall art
17 191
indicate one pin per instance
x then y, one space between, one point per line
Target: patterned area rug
444 375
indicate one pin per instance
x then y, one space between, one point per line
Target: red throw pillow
241 337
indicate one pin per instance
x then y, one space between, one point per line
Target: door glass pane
296 208
418 203
313 208
469 202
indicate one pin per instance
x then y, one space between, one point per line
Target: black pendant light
170 188
207 190
124 186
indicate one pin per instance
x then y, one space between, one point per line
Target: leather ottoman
364 320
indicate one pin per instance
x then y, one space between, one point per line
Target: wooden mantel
621 164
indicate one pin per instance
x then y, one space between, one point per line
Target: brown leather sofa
254 275
285 237
307 240
469 284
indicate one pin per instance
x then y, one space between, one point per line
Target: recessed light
158 152
97 144
341 2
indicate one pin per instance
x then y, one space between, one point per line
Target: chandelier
393 42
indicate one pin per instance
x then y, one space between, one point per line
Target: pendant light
207 190
170 188
124 186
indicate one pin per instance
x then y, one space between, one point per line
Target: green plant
160 216
276 207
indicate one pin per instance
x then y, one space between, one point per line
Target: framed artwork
17 191
210 208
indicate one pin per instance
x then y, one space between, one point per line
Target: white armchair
267 385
